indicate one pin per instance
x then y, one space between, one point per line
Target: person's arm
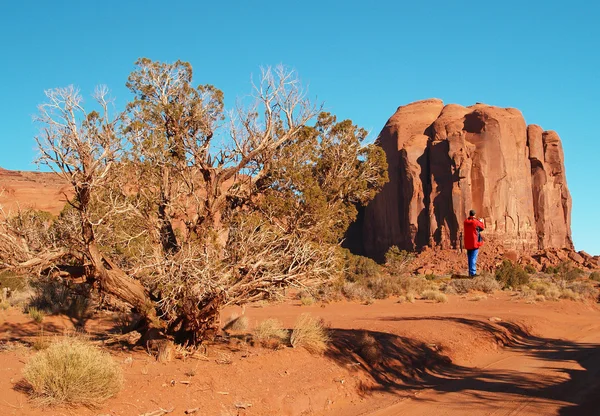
480 223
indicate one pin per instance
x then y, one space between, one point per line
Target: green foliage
529 269
511 275
397 260
566 271
357 268
35 314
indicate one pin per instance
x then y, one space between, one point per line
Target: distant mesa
447 159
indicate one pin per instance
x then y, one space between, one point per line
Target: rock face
447 159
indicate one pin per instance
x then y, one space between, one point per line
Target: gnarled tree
183 210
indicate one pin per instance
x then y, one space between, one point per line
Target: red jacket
471 233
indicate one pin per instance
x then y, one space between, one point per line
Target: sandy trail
533 377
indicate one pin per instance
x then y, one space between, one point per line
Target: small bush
309 333
459 286
529 269
237 323
486 284
358 268
369 349
595 276
569 294
415 284
35 314
410 297
435 295
72 372
584 289
511 275
397 261
385 286
270 333
355 291
307 300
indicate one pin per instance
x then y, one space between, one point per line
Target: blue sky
363 59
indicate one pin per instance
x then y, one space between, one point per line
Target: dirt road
534 376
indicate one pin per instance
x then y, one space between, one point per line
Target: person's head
472 213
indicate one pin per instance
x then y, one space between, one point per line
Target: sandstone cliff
447 159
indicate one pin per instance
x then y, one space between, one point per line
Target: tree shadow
408 364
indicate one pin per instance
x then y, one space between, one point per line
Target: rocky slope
447 159
42 191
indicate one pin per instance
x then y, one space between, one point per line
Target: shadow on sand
407 365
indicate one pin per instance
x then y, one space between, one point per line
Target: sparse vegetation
434 295
529 269
511 275
309 333
35 314
270 333
595 276
397 261
73 372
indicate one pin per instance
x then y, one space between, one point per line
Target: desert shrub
73 372
358 268
397 260
485 283
435 295
569 294
566 271
35 314
307 300
478 298
356 291
270 333
584 289
511 275
415 285
384 287
545 288
410 297
595 276
529 269
237 323
459 286
309 333
430 277
369 349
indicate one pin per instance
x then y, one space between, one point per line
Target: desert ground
476 355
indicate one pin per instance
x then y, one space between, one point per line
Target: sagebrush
71 371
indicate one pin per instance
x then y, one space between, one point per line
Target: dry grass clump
585 289
356 291
71 371
434 295
569 294
478 298
309 333
595 276
270 333
35 314
546 289
237 323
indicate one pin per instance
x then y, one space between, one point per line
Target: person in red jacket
473 240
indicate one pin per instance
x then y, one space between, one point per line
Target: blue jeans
472 256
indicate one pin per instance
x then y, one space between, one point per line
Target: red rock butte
445 160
